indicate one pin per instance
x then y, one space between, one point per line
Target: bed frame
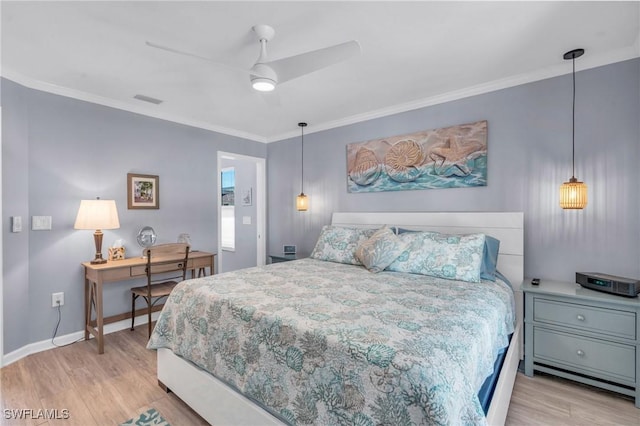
219 404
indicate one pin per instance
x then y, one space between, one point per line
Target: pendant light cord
573 119
302 162
302 126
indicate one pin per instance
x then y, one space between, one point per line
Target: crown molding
35 84
586 62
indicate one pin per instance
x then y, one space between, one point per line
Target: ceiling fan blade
305 63
195 55
272 99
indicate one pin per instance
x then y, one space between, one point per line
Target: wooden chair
166 267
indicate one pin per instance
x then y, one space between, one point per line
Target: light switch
40 223
246 220
16 224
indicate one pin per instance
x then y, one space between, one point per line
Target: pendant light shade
573 194
302 201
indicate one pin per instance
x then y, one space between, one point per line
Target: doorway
241 202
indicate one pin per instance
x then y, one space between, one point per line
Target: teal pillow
455 257
490 258
380 250
339 243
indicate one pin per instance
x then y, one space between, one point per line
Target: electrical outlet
57 299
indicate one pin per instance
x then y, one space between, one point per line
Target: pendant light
302 201
573 194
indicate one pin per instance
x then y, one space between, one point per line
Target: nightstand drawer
605 360
588 318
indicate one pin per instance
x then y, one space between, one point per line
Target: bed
306 347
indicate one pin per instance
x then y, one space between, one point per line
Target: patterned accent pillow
455 257
380 250
339 243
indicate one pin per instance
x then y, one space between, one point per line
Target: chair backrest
165 259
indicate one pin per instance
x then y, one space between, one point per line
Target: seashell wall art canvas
451 157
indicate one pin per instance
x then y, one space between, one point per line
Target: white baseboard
44 345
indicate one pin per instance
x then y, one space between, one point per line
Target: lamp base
97 239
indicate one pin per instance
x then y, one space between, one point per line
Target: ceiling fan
265 75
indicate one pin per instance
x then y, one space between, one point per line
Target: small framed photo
143 191
289 249
247 197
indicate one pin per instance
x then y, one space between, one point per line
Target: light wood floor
120 384
105 389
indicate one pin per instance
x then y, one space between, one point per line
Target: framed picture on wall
246 197
143 191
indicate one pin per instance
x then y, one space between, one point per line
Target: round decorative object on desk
146 238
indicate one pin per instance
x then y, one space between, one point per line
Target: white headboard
505 226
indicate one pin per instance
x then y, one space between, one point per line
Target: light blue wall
529 156
57 151
15 202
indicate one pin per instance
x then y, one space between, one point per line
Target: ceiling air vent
148 99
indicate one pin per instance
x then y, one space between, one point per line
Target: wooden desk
121 270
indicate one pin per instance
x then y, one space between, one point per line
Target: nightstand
583 335
277 258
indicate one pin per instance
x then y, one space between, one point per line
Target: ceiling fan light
263 84
263 77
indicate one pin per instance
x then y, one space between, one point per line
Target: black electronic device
609 283
535 281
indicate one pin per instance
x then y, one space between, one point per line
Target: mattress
326 343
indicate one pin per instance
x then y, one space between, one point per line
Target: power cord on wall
55 330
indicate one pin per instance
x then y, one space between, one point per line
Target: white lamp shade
97 214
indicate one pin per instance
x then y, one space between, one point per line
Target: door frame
259 198
1 256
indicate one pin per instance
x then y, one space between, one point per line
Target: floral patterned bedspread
326 343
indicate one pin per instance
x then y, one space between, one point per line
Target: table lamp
97 214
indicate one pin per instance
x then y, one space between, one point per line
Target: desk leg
93 300
99 316
202 272
87 307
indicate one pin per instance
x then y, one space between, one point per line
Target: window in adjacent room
228 219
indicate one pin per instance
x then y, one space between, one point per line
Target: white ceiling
413 54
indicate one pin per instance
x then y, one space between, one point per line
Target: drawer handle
580 352
580 317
